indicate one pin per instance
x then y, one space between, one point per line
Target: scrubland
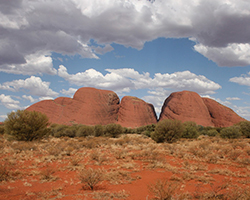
131 166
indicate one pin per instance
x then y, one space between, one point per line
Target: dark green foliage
190 130
245 128
98 130
1 129
167 131
231 132
113 130
209 131
212 132
58 130
26 125
84 131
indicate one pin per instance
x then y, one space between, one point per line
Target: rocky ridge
92 106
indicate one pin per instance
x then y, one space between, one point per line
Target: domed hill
186 106
189 106
135 112
89 106
221 116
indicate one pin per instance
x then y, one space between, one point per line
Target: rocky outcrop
186 106
135 112
221 116
89 106
189 106
92 106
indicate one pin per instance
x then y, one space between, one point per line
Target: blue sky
147 49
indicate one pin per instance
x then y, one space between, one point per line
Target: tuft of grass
90 177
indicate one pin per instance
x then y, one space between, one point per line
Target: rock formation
135 112
186 106
189 106
221 116
92 106
89 106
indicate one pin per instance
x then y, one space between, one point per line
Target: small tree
190 130
26 125
231 132
167 131
113 130
245 128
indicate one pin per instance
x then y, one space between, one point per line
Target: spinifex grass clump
26 125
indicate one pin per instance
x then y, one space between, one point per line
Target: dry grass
196 161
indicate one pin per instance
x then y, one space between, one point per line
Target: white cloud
3 117
242 80
8 102
126 79
70 92
30 98
33 64
233 98
231 55
27 28
33 86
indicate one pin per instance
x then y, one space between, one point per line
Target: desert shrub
167 131
231 132
4 173
163 189
60 130
98 130
26 125
1 129
84 131
209 131
190 130
113 130
245 128
90 177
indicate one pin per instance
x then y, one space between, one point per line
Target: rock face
221 116
135 112
92 106
189 106
186 106
89 106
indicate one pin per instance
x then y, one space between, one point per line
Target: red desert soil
50 169
189 106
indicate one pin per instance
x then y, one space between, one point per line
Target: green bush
26 125
1 129
190 130
113 130
231 132
245 128
57 130
84 131
167 131
98 130
212 132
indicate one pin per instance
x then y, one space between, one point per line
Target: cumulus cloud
233 98
8 102
33 86
231 55
68 26
37 63
126 79
30 98
70 92
242 80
